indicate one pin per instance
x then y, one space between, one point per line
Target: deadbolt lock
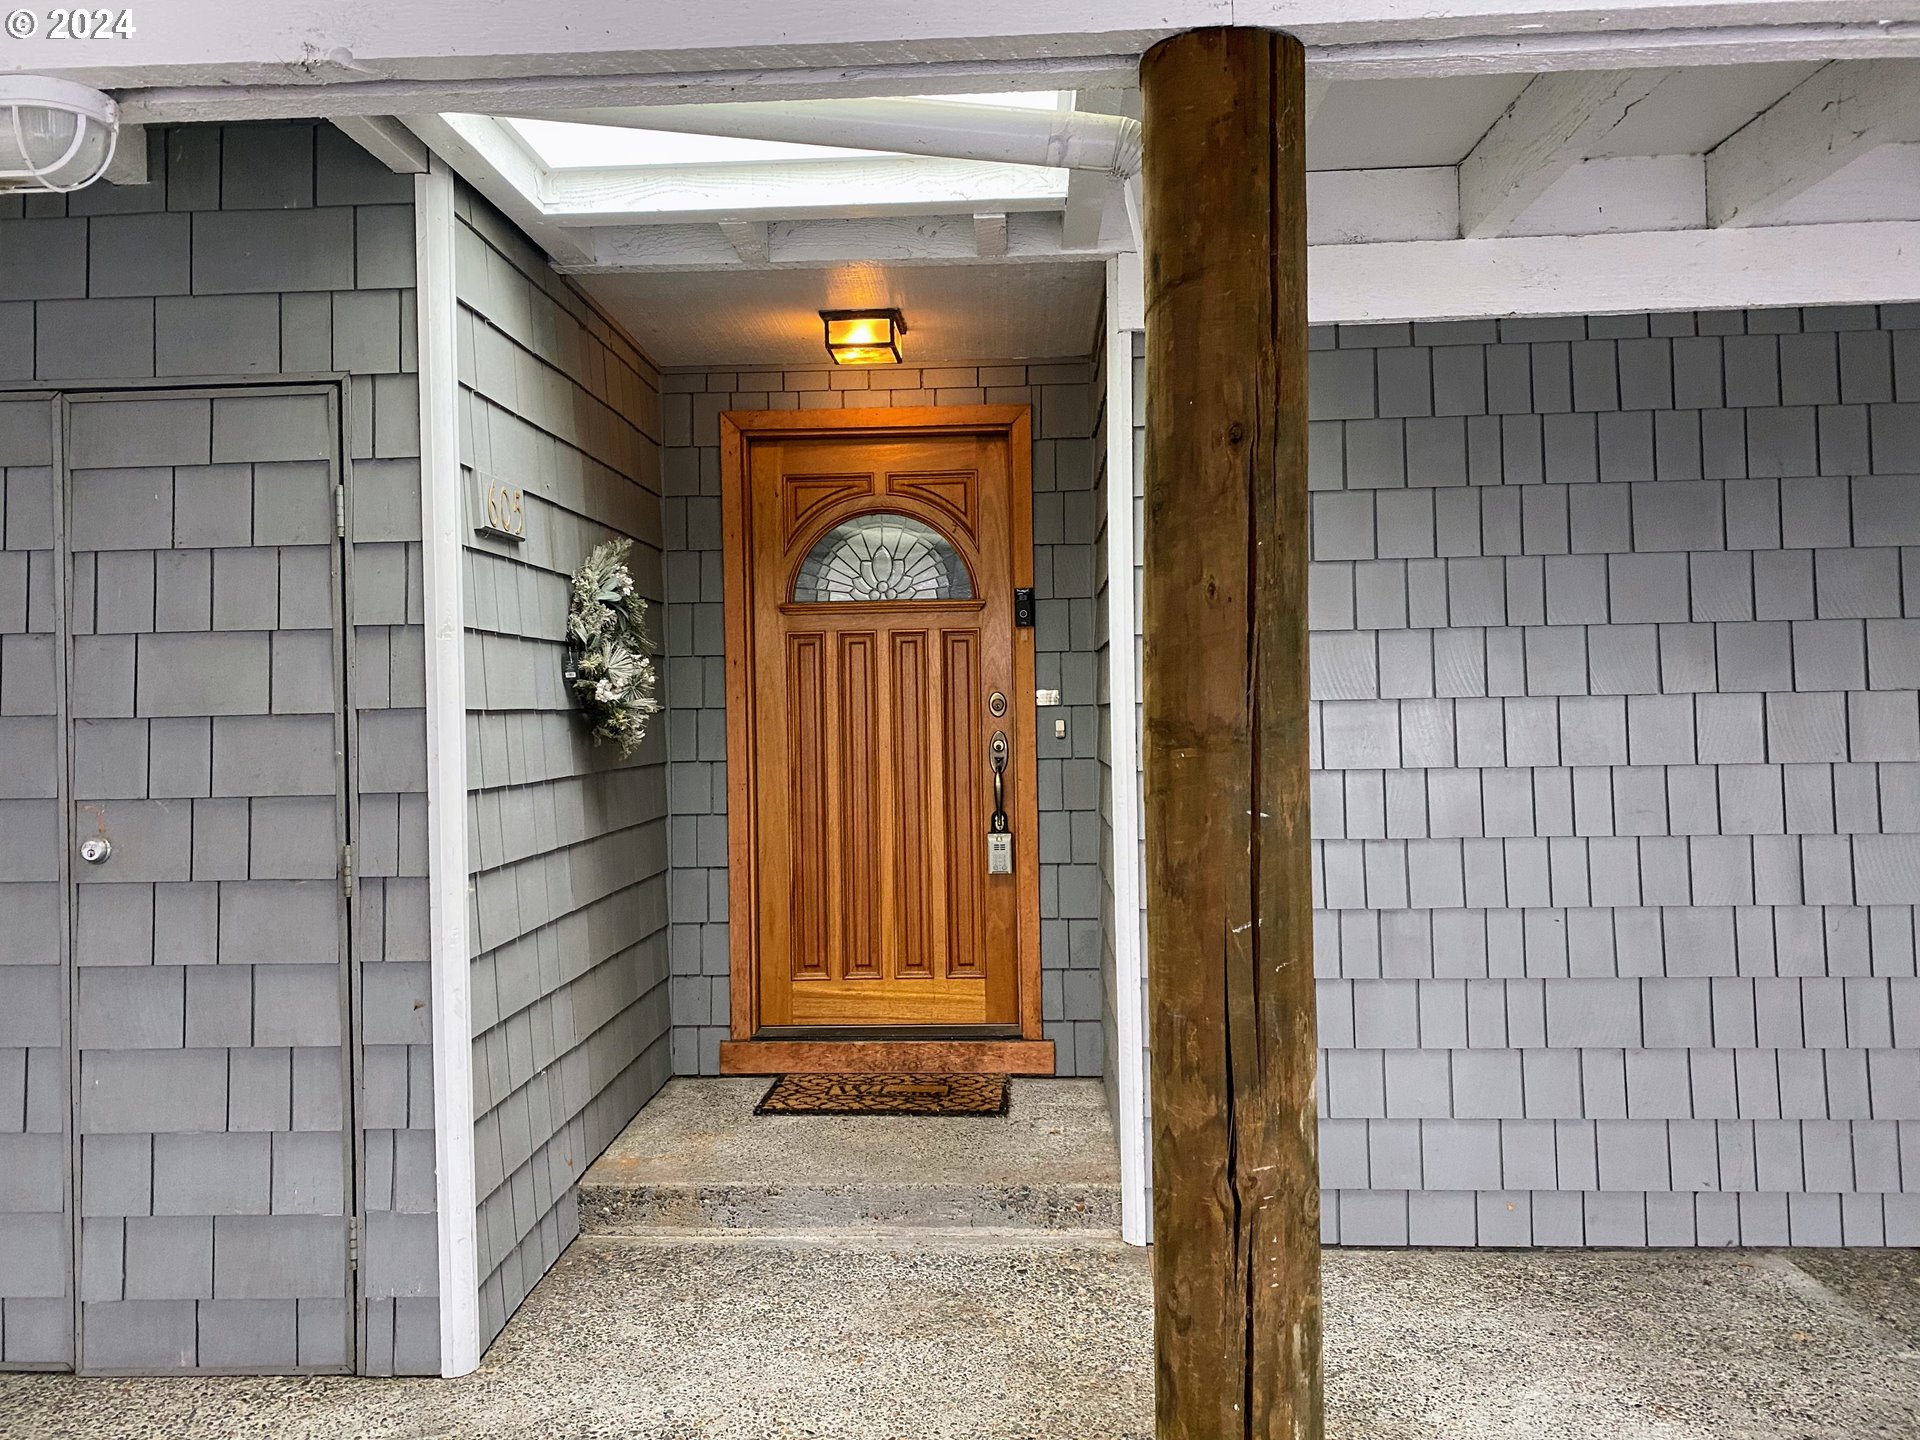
996 704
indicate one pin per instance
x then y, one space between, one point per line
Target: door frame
746 1052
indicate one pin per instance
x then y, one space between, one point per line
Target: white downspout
1060 139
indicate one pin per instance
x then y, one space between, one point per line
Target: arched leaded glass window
882 557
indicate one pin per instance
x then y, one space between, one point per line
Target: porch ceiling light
54 134
864 337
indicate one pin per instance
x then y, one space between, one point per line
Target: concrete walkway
732 1337
765 1278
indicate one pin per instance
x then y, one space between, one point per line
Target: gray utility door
205 824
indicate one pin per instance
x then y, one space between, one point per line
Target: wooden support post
1236 1208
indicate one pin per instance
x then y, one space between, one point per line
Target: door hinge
353 1241
340 511
346 870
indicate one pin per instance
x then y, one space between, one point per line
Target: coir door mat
885 1095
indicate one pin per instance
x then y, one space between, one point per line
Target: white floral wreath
611 670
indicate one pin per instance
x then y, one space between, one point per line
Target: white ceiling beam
538 90
1599 274
1838 264
1545 132
749 240
990 236
794 190
484 154
388 141
1752 42
1829 120
329 48
813 244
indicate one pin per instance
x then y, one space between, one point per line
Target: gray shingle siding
567 842
208 1248
1617 742
1069 778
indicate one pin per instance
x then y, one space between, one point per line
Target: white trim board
1875 262
1125 307
441 526
330 45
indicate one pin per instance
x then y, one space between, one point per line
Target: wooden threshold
876 1057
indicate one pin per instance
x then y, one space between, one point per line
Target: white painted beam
1829 120
450 961
748 238
1728 269
1125 314
1545 132
539 91
1632 194
894 240
990 236
313 57
793 190
388 141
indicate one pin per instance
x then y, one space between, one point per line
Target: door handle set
999 842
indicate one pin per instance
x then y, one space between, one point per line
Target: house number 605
506 510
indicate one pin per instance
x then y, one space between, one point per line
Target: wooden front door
876 672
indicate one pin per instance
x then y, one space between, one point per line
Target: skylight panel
564 145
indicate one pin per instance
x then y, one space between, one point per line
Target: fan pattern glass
882 557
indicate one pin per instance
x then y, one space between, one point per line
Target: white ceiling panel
1883 184
770 317
1697 109
1391 124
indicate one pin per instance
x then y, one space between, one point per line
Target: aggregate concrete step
698 1160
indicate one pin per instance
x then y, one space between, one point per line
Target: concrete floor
766 1278
745 1337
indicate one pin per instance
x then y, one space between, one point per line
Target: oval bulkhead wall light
864 337
54 135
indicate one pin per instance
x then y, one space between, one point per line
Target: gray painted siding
1617 813
1069 769
567 842
264 249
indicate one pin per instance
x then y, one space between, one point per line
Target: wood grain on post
1236 1213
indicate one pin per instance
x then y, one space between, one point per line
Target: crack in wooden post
1236 1183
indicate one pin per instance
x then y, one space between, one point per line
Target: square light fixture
864 337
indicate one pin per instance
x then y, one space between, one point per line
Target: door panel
208 740
881 572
